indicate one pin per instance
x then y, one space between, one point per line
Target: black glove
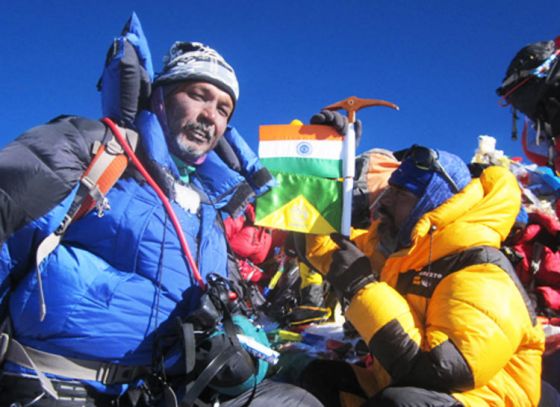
338 121
350 270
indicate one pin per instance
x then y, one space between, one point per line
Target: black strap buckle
110 373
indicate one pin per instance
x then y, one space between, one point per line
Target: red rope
161 195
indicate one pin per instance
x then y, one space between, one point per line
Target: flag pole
351 105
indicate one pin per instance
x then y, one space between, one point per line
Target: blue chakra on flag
304 148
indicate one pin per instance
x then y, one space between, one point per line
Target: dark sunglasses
426 159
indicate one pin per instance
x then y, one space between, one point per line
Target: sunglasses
426 159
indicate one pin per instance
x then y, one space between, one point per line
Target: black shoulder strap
424 282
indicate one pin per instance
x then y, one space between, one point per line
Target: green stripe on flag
325 195
306 166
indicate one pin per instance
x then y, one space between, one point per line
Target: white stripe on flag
325 149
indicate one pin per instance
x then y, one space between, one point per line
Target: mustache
204 130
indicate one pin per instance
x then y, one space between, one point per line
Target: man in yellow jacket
440 307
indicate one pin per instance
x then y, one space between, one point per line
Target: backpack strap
79 369
423 282
103 172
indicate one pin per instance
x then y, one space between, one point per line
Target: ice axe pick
353 104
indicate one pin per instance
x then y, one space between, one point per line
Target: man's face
392 210
197 115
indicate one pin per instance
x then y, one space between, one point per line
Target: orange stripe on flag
297 132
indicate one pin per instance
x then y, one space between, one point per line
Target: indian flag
306 160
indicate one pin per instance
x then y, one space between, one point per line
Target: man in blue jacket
94 319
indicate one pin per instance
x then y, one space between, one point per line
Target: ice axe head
353 104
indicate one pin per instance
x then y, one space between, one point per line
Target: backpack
108 163
532 86
373 169
532 79
104 170
124 86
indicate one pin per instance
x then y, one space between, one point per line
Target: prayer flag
306 161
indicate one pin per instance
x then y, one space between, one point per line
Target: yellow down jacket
462 329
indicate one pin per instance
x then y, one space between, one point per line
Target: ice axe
352 105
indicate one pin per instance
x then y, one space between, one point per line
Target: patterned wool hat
188 61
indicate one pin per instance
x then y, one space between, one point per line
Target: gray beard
182 148
186 153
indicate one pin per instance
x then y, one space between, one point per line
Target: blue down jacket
114 280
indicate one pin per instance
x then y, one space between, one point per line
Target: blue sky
439 60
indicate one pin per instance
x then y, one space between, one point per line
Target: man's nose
209 113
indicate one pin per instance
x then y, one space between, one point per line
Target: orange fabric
297 132
381 166
109 177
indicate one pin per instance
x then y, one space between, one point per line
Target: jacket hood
432 186
482 214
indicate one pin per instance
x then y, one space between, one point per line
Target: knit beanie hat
433 184
193 61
